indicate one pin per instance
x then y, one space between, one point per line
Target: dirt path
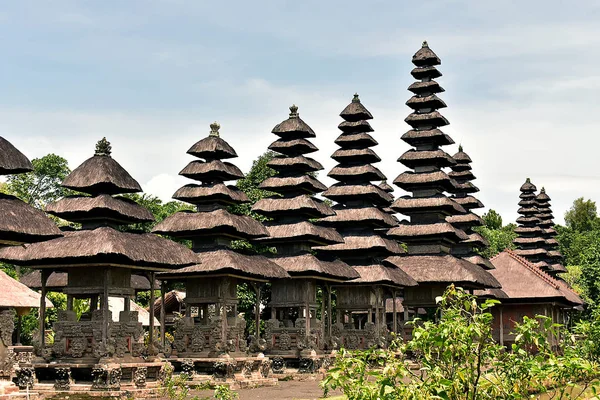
290 390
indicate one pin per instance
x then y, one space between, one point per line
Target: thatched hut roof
364 155
304 183
420 102
21 223
364 216
523 281
365 244
225 261
425 57
435 136
355 140
102 246
439 203
363 173
15 294
306 205
101 207
416 158
479 260
293 147
383 274
406 232
355 111
293 127
435 269
350 127
465 220
427 71
309 265
217 222
425 87
342 192
211 193
303 231
57 281
298 163
211 171
212 147
411 181
101 174
12 161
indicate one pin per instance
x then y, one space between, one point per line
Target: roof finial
293 111
103 148
460 148
214 129
425 44
355 99
528 180
543 190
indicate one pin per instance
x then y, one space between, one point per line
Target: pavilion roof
14 294
57 281
12 161
22 223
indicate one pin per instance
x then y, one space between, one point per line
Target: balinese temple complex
212 326
324 277
429 238
99 260
361 219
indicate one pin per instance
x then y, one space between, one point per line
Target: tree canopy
582 216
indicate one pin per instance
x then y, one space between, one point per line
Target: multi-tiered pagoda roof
20 223
212 227
99 242
361 220
428 236
530 240
463 176
554 258
292 205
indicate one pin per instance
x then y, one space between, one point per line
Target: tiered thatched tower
99 260
211 325
294 324
463 195
530 240
363 223
428 236
544 213
19 223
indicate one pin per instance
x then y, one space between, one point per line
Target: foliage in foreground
177 387
457 359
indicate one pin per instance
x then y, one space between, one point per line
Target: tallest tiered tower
428 236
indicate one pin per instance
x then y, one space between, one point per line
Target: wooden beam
163 291
152 300
42 327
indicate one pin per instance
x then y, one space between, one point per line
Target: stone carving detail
224 369
7 326
25 378
307 366
257 344
187 367
7 364
265 368
285 341
278 365
62 380
139 377
198 340
104 378
247 369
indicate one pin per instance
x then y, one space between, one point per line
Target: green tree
159 210
250 183
499 239
582 216
492 219
43 184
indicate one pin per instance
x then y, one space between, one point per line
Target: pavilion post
105 308
394 314
45 274
501 327
257 310
163 291
329 310
152 299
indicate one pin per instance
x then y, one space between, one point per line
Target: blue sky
521 82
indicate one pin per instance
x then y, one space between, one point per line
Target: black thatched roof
211 193
101 174
212 147
102 207
224 261
190 224
21 223
309 265
102 246
293 147
305 205
211 171
12 161
293 127
387 274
